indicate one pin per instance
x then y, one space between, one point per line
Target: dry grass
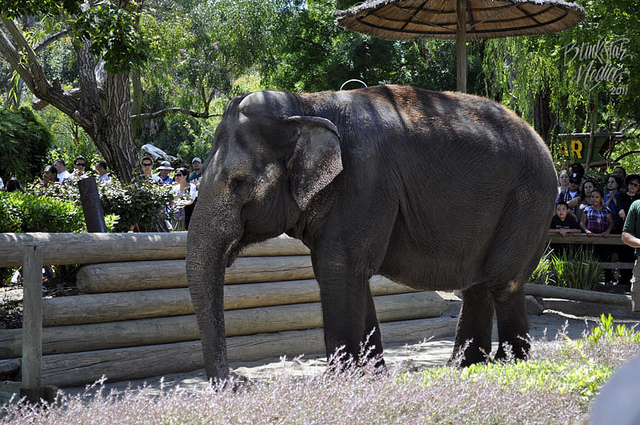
555 386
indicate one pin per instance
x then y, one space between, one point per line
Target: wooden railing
583 239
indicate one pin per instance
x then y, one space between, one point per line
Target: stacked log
155 360
135 319
164 330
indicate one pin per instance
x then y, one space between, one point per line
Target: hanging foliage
591 68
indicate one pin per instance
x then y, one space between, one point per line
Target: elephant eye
241 188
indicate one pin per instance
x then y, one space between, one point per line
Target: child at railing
597 219
563 222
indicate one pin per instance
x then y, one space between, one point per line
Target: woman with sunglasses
147 169
632 181
79 169
184 193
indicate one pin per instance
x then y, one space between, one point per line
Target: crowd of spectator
185 183
581 206
185 187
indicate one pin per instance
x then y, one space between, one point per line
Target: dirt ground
408 357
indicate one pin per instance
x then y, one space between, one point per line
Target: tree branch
51 39
626 154
15 60
40 104
24 61
163 112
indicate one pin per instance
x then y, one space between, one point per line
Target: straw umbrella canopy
459 20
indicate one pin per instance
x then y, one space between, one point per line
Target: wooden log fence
154 360
91 248
143 275
135 319
163 330
548 291
583 239
116 306
135 292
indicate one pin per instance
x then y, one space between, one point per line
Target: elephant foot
518 351
468 355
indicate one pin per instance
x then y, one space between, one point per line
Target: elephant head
268 162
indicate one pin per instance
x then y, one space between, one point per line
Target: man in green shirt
631 237
196 164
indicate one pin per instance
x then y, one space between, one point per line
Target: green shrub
578 269
20 212
25 141
141 206
61 192
543 274
606 332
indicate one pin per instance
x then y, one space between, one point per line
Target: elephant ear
316 158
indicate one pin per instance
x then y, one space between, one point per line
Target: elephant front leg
475 324
350 321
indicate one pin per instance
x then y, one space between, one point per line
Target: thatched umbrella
460 20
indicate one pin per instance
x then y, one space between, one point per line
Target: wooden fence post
32 325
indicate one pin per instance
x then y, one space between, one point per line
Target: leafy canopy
16 8
115 36
25 141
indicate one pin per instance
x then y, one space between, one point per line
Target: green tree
24 146
200 51
314 53
536 76
101 103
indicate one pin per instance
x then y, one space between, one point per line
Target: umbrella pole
461 47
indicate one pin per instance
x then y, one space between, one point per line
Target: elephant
434 190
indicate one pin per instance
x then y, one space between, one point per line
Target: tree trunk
544 117
107 123
120 151
136 101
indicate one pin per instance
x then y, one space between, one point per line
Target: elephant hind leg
513 326
475 325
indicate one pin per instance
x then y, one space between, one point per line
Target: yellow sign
572 149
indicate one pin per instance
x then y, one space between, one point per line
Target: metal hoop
351 81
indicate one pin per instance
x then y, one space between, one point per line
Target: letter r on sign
576 148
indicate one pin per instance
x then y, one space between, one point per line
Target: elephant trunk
212 233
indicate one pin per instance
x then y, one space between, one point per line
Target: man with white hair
163 172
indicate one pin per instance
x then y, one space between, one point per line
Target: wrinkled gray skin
434 190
